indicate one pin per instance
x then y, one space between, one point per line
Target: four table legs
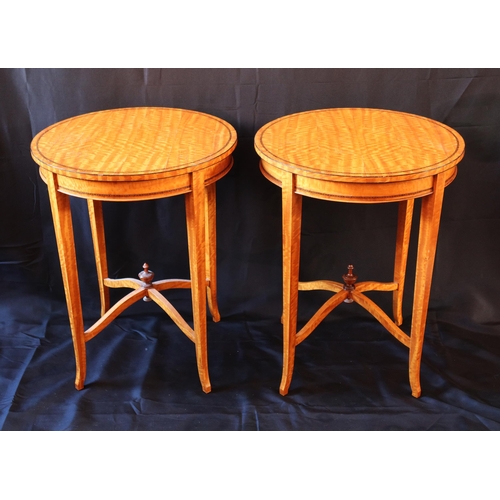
428 233
405 215
99 240
292 218
63 226
200 218
196 231
211 251
430 217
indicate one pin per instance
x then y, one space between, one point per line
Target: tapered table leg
427 240
292 216
63 226
195 218
405 215
211 251
98 238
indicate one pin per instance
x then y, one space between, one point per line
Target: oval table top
359 145
133 144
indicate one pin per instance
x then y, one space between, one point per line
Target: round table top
133 144
359 144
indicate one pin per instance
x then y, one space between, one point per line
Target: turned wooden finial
349 280
146 276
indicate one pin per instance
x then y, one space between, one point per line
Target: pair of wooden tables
349 155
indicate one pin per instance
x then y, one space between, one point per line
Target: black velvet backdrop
350 374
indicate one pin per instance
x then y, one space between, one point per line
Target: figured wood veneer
360 155
133 144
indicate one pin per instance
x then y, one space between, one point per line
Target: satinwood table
358 155
133 154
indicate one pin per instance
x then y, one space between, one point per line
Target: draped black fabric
350 374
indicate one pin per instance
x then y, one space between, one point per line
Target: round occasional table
358 155
137 154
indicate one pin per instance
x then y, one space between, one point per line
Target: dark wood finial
349 280
146 276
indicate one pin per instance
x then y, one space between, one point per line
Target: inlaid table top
359 145
133 144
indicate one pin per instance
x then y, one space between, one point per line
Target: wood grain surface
360 145
133 143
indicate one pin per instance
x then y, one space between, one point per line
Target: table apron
137 190
357 192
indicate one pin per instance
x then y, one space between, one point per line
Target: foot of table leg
211 251
405 215
195 218
292 215
63 227
427 241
